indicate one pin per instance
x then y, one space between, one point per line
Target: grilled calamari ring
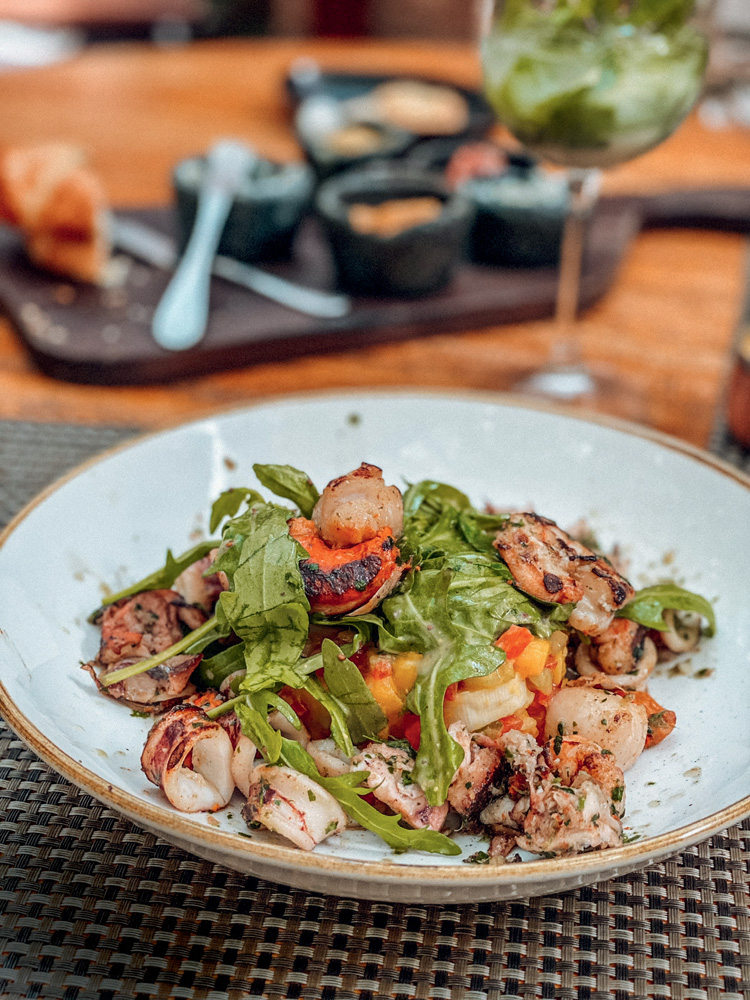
339 580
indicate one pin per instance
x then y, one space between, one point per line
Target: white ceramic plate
675 511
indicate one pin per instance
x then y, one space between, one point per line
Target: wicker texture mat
92 908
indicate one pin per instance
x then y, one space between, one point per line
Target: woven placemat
93 908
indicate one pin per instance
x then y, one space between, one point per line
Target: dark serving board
83 334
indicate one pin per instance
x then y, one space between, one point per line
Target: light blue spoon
181 316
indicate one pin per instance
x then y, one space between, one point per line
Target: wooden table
664 329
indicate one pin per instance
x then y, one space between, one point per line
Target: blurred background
35 32
174 21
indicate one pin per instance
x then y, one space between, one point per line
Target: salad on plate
408 664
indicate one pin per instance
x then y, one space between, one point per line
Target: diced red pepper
510 722
538 711
518 786
407 727
514 640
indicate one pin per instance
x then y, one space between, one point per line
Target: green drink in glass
588 84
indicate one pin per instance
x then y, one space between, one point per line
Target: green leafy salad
593 82
277 649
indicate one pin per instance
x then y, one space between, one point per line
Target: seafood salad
408 664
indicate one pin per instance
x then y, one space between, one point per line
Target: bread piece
83 259
28 174
74 208
61 208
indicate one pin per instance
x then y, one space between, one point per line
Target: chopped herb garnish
478 858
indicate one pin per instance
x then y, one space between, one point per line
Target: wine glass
588 84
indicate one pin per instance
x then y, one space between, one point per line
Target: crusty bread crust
60 206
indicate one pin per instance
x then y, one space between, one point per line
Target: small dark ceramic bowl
413 262
322 128
266 212
520 216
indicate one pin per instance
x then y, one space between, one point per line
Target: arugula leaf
339 725
162 579
290 483
346 685
253 716
218 667
430 518
648 606
439 755
479 530
266 605
229 502
420 619
347 789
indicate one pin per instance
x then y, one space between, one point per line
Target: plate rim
160 818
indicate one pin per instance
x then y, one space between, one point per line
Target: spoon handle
181 316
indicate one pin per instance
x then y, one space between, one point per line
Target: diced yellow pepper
532 660
405 668
558 671
542 682
385 693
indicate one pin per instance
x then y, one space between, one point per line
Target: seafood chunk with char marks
561 799
472 785
155 690
390 779
190 758
292 805
356 507
202 591
145 624
549 565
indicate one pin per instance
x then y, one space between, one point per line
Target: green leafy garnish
163 578
648 606
290 483
229 502
266 605
347 789
364 717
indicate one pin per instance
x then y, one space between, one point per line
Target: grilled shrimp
156 690
354 508
198 589
143 625
293 805
391 783
566 797
623 652
471 787
616 723
551 566
579 804
190 758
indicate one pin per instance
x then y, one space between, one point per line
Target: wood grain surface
662 333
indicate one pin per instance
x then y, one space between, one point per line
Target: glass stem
583 186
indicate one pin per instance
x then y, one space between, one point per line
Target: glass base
565 384
583 388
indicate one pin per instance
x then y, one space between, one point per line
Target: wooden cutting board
83 334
